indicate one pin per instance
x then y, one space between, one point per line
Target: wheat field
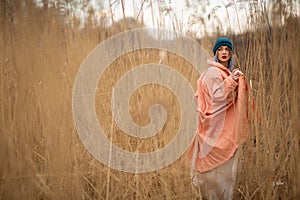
42 156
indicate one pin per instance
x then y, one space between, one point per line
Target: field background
41 154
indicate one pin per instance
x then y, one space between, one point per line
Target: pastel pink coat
222 104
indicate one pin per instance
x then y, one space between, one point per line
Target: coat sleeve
214 93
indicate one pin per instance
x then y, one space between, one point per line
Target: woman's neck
225 64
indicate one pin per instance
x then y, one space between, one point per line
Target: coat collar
218 65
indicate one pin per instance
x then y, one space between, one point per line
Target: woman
222 123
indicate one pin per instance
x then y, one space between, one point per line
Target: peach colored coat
222 119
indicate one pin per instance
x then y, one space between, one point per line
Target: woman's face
223 53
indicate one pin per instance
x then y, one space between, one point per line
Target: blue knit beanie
222 42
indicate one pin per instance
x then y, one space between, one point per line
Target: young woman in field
222 126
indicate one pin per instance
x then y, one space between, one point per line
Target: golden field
42 156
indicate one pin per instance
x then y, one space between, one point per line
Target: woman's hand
236 73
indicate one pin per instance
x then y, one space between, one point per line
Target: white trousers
218 183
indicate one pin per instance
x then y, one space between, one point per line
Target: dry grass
42 156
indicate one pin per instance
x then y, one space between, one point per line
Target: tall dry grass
42 156
271 155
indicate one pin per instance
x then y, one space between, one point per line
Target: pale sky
234 17
209 15
181 14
